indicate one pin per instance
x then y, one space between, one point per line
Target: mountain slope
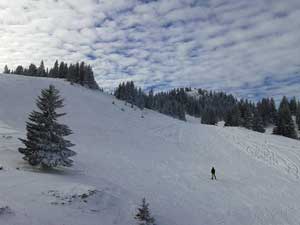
123 157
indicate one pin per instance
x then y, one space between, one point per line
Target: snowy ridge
123 157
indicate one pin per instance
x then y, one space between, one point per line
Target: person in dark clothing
213 173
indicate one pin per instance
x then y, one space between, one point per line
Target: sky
248 48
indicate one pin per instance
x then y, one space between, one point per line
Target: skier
213 173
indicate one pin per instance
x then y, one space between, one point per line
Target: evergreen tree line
79 73
162 102
213 107
264 113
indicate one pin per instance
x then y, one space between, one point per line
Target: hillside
123 157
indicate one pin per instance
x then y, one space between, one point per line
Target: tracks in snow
286 159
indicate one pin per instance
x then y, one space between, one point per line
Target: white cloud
218 44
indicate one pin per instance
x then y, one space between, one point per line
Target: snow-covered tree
143 215
45 144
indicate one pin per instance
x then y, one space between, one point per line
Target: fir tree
285 124
247 118
298 115
257 124
143 215
150 100
88 78
140 99
45 144
6 70
209 117
267 109
77 73
41 70
233 117
19 70
61 70
54 72
273 112
71 74
81 73
293 105
32 70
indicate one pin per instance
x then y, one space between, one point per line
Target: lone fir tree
45 144
143 216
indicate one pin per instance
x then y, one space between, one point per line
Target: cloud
231 45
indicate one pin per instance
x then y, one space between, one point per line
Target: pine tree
19 70
89 79
285 124
77 73
61 70
143 216
181 112
293 105
247 118
32 70
298 115
257 124
6 70
54 72
71 74
267 109
150 100
209 117
45 144
81 73
233 117
273 112
41 70
140 99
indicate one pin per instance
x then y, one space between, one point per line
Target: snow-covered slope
123 157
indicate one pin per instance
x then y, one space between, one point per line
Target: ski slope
123 158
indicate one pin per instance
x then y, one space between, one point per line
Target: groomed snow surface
123 158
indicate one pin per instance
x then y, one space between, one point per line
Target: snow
194 93
123 158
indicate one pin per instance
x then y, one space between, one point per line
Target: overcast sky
249 48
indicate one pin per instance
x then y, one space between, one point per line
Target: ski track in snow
261 148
